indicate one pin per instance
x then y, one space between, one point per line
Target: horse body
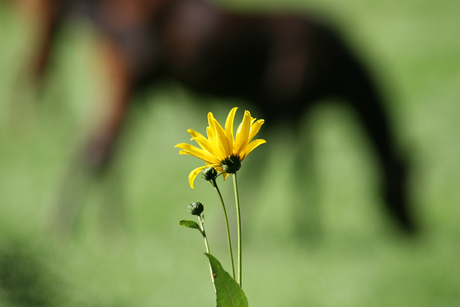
281 63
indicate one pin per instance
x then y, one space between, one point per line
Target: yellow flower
220 150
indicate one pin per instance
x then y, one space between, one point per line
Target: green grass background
321 241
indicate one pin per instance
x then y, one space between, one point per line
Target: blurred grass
358 258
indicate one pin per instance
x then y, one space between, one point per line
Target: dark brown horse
281 63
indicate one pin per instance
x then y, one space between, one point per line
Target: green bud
232 164
209 173
196 208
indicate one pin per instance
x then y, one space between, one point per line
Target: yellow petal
251 147
242 134
229 126
193 174
203 142
214 142
223 141
255 129
220 139
188 149
218 168
212 125
212 133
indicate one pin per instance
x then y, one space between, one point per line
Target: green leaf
229 293
190 224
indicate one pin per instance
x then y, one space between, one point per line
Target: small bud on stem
196 208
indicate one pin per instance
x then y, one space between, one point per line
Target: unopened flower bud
196 208
209 173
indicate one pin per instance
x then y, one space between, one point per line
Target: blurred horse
283 64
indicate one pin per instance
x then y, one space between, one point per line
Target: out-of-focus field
328 243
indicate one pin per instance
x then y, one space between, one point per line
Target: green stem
206 244
238 217
230 250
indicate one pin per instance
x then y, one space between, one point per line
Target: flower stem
238 216
230 250
206 244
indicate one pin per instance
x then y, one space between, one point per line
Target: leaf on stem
229 293
190 224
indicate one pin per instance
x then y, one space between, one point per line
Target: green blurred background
325 241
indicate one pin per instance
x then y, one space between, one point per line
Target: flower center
231 164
